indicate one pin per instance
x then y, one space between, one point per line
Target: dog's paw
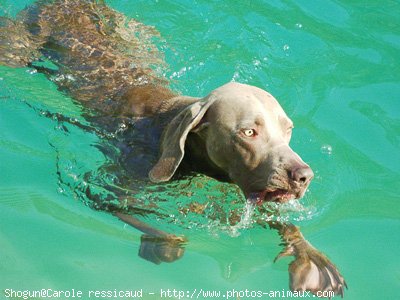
161 249
313 271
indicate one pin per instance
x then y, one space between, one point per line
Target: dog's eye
249 132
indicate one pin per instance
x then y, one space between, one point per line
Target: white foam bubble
326 149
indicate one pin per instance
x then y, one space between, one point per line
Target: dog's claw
287 251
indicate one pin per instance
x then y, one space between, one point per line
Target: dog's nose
302 174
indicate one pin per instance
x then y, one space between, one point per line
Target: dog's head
246 134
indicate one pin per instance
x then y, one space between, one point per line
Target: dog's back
97 56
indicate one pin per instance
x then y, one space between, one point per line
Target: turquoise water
334 66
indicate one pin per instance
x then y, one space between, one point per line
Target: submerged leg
156 245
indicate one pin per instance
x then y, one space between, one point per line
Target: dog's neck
151 100
145 112
155 103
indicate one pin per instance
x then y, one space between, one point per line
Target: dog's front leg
311 270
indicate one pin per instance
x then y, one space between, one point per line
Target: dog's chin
273 195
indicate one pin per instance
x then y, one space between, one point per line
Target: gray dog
237 132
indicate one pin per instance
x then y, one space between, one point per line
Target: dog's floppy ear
174 137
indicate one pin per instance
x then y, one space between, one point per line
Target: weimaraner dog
238 132
241 131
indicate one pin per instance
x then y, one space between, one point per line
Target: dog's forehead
246 101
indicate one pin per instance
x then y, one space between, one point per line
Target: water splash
246 219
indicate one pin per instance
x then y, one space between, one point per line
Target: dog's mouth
271 195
